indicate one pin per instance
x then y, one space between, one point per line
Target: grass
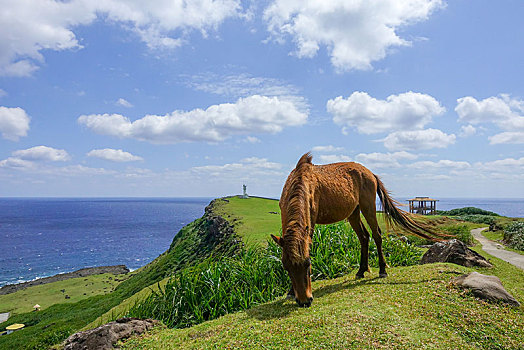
123 308
256 275
415 307
49 294
252 218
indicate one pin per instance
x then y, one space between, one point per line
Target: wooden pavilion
423 205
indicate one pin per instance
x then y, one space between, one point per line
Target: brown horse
324 194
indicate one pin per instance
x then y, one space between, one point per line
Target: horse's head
299 271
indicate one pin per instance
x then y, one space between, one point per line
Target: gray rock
105 336
456 252
485 287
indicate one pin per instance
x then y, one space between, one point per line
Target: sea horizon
45 236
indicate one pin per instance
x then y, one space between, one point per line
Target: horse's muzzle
305 304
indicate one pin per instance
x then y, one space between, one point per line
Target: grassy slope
121 309
251 217
415 307
51 293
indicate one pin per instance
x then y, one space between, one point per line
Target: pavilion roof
422 199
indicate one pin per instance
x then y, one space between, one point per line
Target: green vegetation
414 308
215 288
514 235
256 275
54 293
466 211
460 231
254 218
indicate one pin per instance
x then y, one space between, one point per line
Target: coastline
88 271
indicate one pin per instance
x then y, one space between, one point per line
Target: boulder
105 336
485 287
454 251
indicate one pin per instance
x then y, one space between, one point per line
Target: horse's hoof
383 275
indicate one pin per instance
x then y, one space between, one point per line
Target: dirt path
497 250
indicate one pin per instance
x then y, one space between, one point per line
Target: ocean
40 237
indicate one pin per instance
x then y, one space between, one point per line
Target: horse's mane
296 239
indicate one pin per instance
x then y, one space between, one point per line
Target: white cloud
407 111
252 139
254 114
29 26
441 164
384 160
328 148
114 155
333 158
467 130
240 85
247 169
507 137
504 112
508 165
355 33
244 85
124 103
43 153
17 164
14 123
418 140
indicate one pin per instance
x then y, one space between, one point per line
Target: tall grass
256 275
215 288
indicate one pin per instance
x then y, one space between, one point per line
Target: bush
478 219
466 211
256 275
514 235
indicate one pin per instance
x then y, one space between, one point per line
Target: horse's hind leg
363 237
370 213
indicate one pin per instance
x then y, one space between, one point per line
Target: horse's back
340 188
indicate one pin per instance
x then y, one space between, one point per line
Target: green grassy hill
408 309
414 308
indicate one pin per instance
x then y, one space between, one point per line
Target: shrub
466 211
514 235
478 219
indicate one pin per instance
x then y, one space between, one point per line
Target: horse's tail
395 216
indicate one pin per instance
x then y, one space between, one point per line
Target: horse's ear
277 240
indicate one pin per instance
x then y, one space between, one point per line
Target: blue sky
166 98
